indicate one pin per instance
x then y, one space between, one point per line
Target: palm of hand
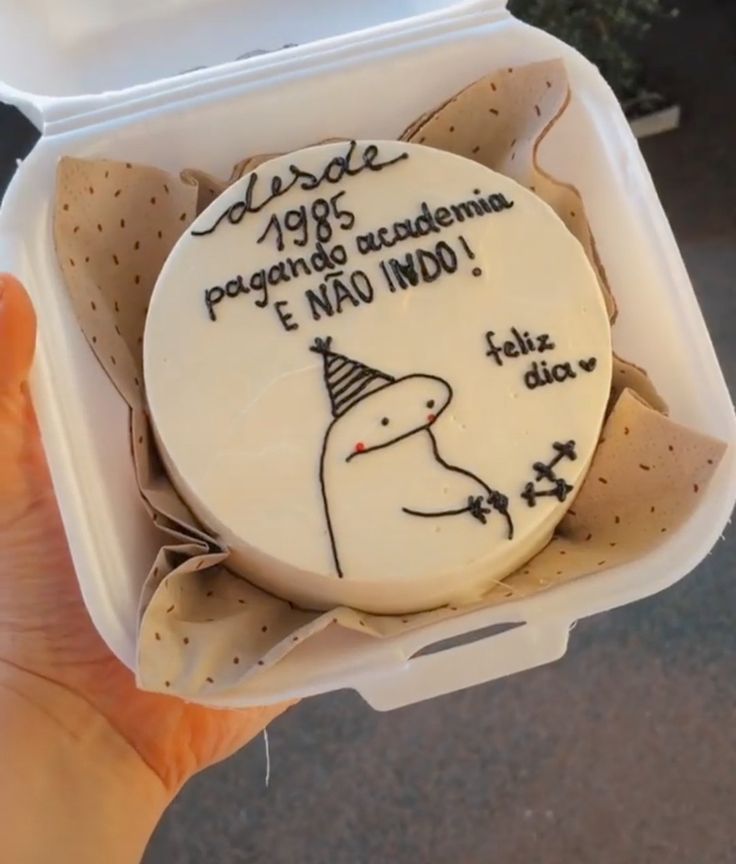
44 627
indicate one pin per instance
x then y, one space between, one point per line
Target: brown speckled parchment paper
204 631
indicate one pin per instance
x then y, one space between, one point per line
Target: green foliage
606 31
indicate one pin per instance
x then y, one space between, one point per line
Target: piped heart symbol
588 365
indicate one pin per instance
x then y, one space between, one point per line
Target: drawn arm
479 506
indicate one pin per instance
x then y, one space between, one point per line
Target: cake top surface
374 361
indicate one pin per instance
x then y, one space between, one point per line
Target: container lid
57 54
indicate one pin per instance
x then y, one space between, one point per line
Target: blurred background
625 750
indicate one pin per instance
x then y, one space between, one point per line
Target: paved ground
624 751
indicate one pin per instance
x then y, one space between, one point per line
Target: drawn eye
430 404
384 421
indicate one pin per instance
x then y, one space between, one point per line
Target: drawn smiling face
392 413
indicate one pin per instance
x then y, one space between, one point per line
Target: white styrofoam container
360 70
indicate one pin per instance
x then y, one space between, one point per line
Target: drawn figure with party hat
382 476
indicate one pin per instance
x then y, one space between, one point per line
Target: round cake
378 373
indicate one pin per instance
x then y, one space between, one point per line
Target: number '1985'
316 217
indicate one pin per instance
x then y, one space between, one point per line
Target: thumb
17 338
20 454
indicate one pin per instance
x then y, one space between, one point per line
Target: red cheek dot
359 447
431 417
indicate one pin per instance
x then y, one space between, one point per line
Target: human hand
46 636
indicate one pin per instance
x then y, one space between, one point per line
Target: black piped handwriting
431 220
297 222
520 343
334 171
539 373
259 283
336 290
419 266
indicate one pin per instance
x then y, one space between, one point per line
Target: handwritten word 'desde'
347 164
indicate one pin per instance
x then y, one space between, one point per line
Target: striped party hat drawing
347 381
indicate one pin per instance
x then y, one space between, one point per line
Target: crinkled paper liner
204 631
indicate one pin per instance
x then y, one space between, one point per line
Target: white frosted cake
378 372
